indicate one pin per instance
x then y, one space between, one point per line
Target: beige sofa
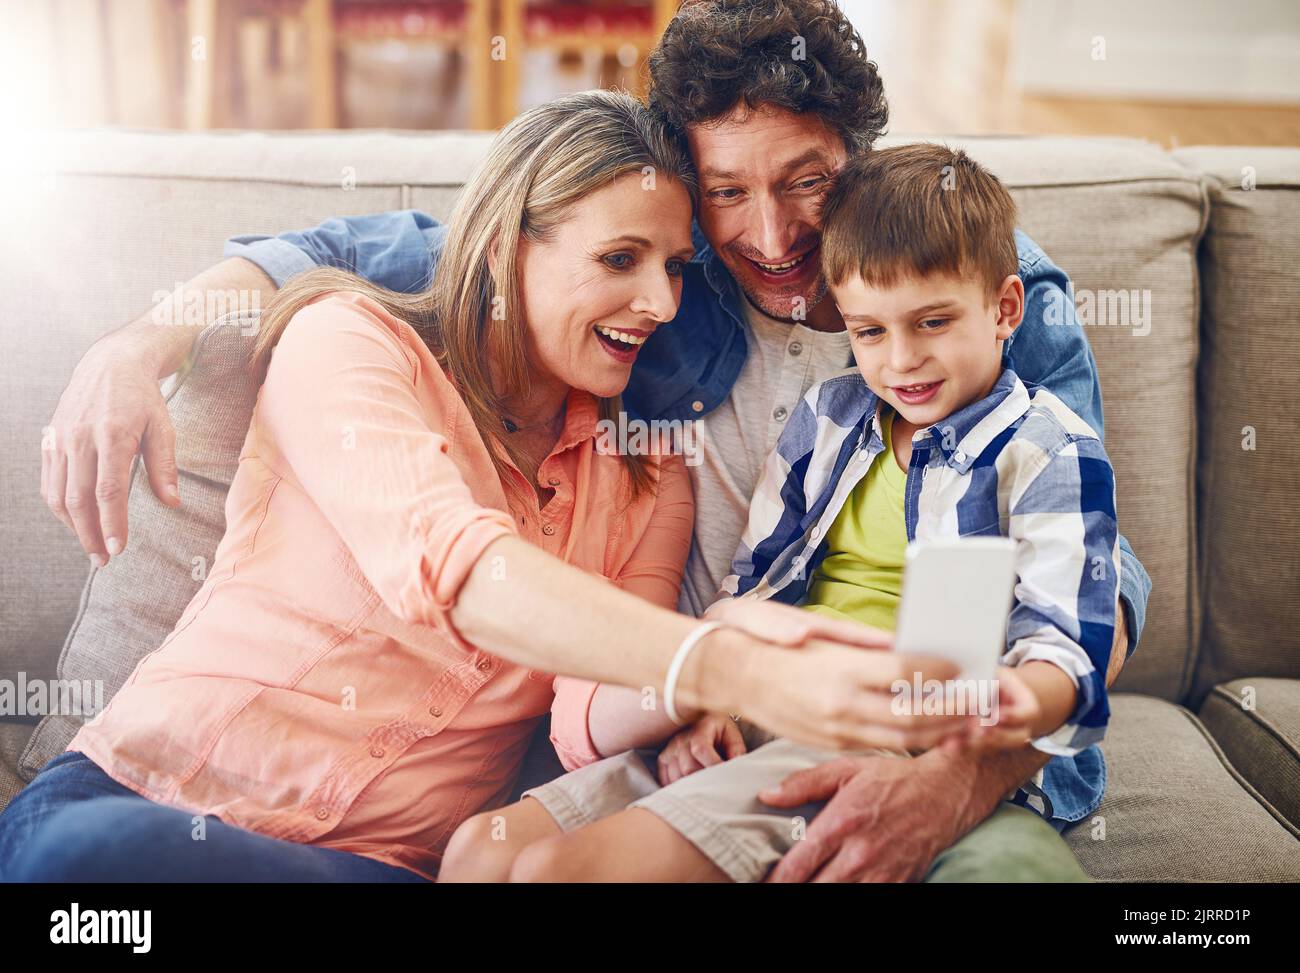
1198 360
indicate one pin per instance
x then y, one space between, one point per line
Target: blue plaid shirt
1016 464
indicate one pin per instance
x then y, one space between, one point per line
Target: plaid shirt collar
965 434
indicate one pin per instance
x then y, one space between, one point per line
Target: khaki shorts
716 809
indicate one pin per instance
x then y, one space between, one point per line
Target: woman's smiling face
604 281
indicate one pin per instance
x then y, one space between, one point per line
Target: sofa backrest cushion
1249 468
129 607
98 224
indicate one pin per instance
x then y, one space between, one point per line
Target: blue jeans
74 823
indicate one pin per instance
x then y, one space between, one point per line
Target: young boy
931 436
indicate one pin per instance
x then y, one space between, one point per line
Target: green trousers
1013 844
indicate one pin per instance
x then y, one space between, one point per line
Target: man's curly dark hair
717 53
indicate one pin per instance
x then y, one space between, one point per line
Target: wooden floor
947 66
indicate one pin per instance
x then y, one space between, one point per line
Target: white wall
1185 50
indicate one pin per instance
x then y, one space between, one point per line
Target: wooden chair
212 89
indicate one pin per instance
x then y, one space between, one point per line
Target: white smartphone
956 598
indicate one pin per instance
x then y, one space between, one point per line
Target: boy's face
929 345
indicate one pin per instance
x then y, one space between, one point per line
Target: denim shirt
686 371
1017 463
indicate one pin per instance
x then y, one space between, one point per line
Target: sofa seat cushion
1257 724
1176 810
13 737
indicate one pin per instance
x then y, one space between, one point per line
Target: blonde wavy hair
536 169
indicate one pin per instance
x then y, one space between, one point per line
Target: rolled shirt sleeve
1134 592
570 727
397 250
341 405
1066 595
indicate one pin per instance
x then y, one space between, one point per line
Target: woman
420 531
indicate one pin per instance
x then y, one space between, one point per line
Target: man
771 98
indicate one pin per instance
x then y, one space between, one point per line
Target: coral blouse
315 689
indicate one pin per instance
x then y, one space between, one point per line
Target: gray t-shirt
785 360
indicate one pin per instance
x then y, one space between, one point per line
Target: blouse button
322 813
795 348
548 529
435 711
697 405
376 751
554 481
484 666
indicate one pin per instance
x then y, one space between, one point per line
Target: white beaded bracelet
679 660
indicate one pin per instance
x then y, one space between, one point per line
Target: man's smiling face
763 174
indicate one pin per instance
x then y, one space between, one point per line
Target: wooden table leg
509 72
201 30
476 59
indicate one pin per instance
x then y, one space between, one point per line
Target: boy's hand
1018 712
698 746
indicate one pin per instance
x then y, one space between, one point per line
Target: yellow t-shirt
861 577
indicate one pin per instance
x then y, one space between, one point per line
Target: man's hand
709 740
111 411
888 818
886 821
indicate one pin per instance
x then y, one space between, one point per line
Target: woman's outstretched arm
558 618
